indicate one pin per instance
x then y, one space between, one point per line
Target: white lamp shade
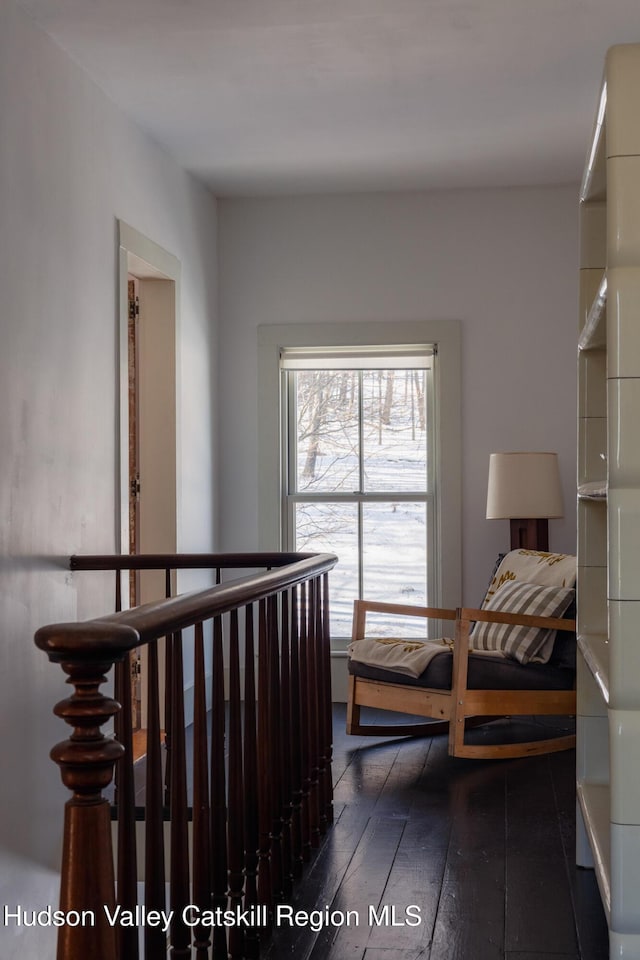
524 485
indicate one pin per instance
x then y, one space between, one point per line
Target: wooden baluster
155 941
235 825
126 809
201 811
285 747
125 797
117 693
321 683
179 873
304 725
251 944
296 746
265 895
328 729
312 717
86 763
218 791
168 686
275 767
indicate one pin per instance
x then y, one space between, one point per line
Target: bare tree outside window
359 480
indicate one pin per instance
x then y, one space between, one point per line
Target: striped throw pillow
520 643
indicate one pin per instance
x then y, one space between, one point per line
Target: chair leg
456 731
353 708
458 684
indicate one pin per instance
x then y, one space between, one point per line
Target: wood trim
402 699
512 702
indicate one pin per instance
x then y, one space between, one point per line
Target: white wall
70 165
502 261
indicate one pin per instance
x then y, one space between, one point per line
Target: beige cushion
524 644
534 566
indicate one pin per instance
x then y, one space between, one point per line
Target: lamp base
530 534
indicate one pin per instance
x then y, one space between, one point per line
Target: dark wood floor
484 850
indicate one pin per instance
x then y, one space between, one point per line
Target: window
334 476
358 470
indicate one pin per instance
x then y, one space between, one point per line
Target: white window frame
445 336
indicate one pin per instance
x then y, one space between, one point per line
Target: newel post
86 760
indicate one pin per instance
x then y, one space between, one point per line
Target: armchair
513 656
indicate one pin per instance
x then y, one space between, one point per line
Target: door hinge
134 308
134 488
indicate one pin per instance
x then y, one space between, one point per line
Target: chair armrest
362 607
518 619
469 615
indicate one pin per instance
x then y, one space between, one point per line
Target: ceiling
260 97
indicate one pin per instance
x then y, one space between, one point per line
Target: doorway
149 292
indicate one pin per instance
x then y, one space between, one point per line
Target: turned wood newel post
86 760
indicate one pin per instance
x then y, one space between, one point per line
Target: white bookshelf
608 723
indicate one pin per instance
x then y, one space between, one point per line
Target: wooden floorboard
537 881
447 859
473 887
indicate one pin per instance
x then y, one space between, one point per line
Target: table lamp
525 489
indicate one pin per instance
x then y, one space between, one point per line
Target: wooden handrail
120 632
252 825
184 561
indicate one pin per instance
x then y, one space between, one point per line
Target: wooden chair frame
459 708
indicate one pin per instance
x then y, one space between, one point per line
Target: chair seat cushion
485 673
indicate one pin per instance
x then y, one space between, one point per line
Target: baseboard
339 676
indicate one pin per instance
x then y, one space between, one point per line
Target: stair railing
246 792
